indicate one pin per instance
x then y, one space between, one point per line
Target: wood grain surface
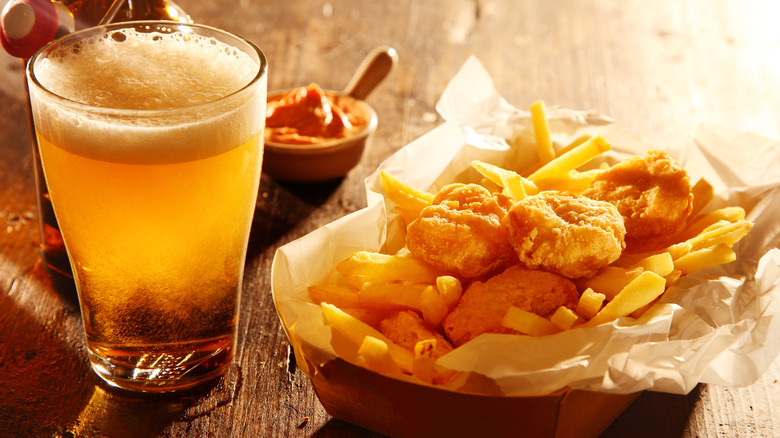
660 68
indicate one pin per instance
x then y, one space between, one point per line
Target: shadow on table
47 387
336 428
655 414
116 413
64 286
282 206
43 383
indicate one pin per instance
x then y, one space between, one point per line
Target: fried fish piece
565 233
484 304
652 193
406 328
461 232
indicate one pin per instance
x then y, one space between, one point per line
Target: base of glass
136 370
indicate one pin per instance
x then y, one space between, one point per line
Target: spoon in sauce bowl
372 71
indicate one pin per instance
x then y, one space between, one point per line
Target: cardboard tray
404 409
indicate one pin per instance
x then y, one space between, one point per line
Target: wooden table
660 68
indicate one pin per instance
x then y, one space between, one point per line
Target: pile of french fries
372 284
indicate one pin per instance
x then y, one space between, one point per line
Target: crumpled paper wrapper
720 325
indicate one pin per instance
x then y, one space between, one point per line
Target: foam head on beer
126 70
157 70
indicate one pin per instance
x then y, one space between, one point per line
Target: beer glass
151 139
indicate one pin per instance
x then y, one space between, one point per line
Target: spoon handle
371 72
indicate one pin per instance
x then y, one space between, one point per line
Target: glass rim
262 68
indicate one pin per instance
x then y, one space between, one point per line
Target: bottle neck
88 13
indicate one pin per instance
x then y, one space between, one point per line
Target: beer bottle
92 12
26 26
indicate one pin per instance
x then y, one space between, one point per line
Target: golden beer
151 143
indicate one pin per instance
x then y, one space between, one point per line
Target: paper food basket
717 326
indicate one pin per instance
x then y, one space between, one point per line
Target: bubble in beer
157 70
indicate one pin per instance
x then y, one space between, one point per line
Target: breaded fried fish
652 192
406 328
484 304
565 233
461 232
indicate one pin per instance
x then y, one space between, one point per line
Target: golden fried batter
461 232
406 328
484 304
652 192
565 233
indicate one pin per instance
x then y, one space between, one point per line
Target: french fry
404 196
573 181
450 289
705 258
420 297
641 291
355 331
610 280
727 233
673 277
542 131
391 295
376 355
702 195
675 250
636 314
564 318
527 322
678 250
731 214
341 296
577 141
432 307
490 185
408 215
573 159
590 303
371 267
514 185
424 361
662 263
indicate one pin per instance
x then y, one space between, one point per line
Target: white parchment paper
720 325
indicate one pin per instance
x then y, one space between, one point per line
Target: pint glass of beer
151 139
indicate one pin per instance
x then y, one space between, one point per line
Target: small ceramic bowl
334 158
321 161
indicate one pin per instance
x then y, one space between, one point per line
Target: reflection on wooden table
658 69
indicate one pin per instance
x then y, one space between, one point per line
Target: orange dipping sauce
309 115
